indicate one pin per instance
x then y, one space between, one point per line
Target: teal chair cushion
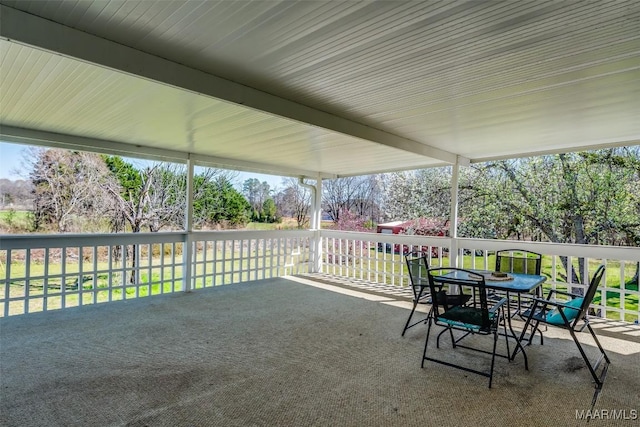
465 317
555 318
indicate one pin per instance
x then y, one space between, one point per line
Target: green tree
583 198
127 175
222 204
256 193
269 210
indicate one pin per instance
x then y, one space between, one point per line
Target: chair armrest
569 294
544 303
497 305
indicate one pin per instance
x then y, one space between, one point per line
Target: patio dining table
515 283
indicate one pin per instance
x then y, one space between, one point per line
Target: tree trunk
571 272
133 278
635 279
134 256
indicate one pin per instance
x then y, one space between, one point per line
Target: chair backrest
518 261
448 285
418 266
591 292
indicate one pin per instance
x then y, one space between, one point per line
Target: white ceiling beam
25 136
72 142
572 149
31 30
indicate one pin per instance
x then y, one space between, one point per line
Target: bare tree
294 201
134 208
68 185
167 197
357 194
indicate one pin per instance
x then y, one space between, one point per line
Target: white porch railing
47 272
226 257
375 257
617 297
378 258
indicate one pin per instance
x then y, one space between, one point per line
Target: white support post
317 259
453 216
187 249
316 223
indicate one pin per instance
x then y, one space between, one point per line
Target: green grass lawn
14 220
286 224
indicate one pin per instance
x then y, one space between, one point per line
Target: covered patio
314 90
295 350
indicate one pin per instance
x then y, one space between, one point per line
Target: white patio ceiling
327 88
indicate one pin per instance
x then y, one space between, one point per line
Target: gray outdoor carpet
279 352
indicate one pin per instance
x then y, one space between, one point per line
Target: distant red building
422 227
394 227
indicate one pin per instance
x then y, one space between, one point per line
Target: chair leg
541 337
539 295
426 342
530 340
406 325
506 335
524 353
534 328
453 341
603 375
595 338
584 356
493 356
521 338
592 368
533 334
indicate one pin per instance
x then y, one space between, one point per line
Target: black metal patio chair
475 317
418 266
572 315
518 261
